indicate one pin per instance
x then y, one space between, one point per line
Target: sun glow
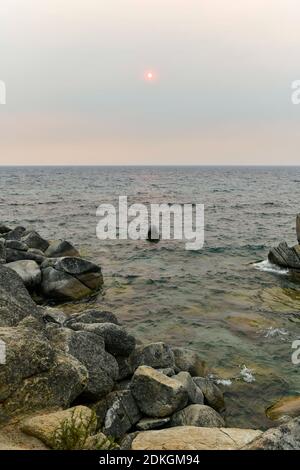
149 76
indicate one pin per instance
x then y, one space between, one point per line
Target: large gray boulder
60 286
34 240
156 394
59 248
194 392
16 245
213 396
15 301
92 316
198 415
285 256
28 352
89 349
122 414
156 355
15 234
55 388
285 437
187 360
18 255
117 340
34 375
70 278
29 272
2 251
86 272
4 229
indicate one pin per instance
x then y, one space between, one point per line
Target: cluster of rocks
285 256
145 396
53 270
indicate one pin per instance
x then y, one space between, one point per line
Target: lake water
241 317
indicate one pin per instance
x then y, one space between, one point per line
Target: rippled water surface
242 317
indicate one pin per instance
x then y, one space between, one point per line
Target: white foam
273 332
225 382
247 374
270 268
219 381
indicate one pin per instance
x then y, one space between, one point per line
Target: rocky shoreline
144 396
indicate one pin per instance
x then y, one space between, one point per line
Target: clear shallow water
240 316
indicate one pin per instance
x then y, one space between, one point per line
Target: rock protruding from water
298 228
287 257
53 270
153 234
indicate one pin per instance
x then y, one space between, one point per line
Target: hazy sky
221 93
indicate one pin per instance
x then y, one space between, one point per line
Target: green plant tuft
74 433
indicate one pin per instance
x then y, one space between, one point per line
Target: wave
268 267
247 374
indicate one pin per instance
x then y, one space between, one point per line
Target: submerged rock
29 272
287 406
156 394
198 415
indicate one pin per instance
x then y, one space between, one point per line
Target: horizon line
291 165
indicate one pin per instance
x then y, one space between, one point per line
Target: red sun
149 76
